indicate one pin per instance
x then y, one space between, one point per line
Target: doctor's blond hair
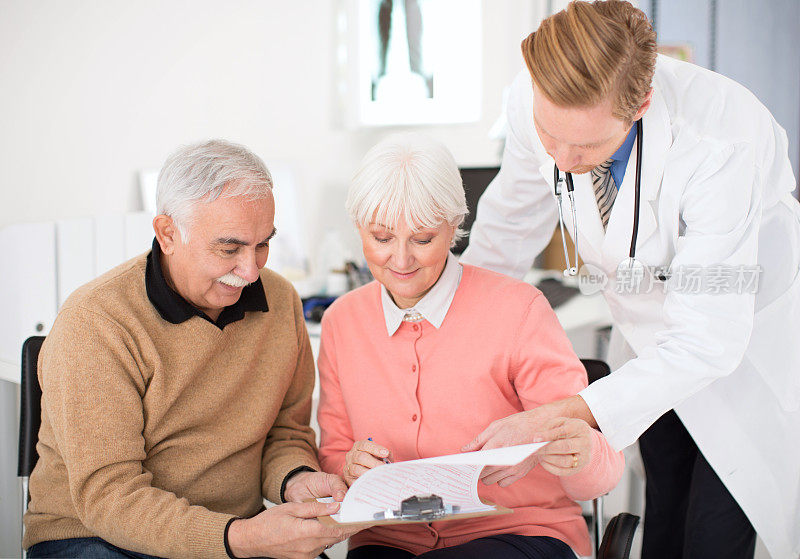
593 51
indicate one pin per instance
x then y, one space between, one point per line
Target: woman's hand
364 456
571 446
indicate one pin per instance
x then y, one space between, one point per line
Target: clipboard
498 509
450 481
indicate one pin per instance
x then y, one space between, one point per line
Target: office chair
616 541
30 415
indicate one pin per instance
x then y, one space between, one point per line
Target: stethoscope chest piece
630 266
632 277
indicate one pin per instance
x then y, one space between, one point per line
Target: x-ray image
419 61
411 17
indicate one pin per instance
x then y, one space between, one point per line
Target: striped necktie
605 191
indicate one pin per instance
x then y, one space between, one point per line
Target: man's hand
522 428
303 486
289 531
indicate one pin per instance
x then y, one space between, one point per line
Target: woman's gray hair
409 175
201 172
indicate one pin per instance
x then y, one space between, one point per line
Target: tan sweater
154 435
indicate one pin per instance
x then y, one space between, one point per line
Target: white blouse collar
433 306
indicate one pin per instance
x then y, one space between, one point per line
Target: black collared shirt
175 309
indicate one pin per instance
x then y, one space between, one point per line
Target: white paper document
454 478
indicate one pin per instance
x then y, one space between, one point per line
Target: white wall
94 91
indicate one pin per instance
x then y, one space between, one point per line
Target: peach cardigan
425 391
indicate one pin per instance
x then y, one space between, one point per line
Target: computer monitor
476 179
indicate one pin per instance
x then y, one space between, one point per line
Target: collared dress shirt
621 156
433 306
175 309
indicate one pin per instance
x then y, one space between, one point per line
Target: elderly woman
418 362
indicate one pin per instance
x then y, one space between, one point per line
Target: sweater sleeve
92 396
290 442
336 434
544 367
547 369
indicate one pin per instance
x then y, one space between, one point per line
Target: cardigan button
414 417
413 368
416 327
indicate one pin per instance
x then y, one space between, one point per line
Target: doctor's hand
568 452
364 456
523 428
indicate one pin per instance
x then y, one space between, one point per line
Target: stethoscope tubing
572 270
637 189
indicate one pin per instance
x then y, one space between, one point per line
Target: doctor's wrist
576 406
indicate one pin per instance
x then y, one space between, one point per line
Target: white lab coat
715 190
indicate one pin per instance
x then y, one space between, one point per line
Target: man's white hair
409 175
201 172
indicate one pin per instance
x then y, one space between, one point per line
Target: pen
385 460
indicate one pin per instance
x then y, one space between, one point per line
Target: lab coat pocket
774 348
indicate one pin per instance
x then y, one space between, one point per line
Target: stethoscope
571 270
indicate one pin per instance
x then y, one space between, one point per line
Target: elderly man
177 389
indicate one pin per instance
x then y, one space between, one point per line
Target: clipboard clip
419 507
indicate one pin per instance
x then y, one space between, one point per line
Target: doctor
705 347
